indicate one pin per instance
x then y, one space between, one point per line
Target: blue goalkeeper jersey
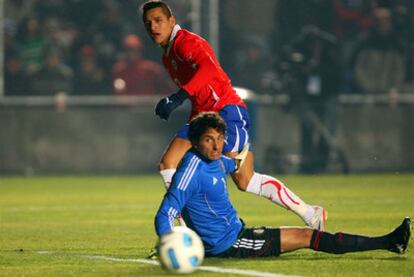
199 192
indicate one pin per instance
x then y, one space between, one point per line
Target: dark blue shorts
237 120
255 242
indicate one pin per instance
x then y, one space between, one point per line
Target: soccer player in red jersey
193 67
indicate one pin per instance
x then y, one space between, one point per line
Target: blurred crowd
371 47
312 50
100 48
79 48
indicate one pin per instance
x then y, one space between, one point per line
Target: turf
113 216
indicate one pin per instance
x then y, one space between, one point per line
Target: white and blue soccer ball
181 251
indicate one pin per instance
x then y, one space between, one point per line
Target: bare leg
293 238
243 176
174 153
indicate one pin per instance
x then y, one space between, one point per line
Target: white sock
277 192
167 175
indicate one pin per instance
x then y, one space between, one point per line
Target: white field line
151 262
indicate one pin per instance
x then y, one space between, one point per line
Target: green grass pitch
113 216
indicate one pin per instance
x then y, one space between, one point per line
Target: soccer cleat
400 237
318 221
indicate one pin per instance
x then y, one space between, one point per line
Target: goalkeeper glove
166 105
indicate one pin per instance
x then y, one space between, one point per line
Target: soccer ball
181 251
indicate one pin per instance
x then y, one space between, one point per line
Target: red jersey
192 65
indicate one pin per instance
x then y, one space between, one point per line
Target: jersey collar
172 37
201 157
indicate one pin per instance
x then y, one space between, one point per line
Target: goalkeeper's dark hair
152 4
204 121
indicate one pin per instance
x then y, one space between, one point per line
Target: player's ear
172 20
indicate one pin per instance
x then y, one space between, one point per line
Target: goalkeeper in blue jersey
199 192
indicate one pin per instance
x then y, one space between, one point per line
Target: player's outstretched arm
168 104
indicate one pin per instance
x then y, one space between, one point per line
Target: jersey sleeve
183 186
199 54
229 164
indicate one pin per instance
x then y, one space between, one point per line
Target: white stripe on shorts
246 138
249 244
237 144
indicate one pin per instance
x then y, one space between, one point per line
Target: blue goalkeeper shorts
237 121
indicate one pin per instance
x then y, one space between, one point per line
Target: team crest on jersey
214 180
174 65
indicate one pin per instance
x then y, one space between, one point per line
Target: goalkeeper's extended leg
292 238
274 190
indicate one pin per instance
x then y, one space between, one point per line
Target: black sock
341 243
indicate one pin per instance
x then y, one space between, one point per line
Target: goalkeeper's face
159 26
210 144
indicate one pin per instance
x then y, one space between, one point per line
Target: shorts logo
258 231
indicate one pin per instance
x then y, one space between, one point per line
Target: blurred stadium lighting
244 93
119 84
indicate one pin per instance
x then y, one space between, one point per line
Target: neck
171 37
165 47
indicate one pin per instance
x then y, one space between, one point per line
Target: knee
241 181
164 164
242 186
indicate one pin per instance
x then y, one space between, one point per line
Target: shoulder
188 170
187 40
228 163
226 159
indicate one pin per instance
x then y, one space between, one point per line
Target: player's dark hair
152 4
204 121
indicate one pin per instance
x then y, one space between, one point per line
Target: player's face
211 144
158 26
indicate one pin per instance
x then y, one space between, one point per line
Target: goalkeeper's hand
241 157
166 105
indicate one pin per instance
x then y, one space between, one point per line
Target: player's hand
166 105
